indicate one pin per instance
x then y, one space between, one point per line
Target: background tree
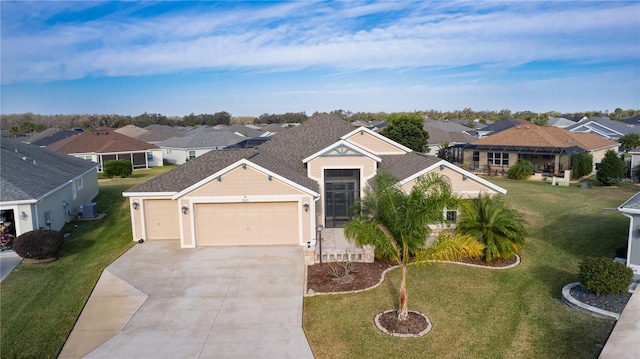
630 141
396 223
612 169
491 222
407 130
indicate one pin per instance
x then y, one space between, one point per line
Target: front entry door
339 198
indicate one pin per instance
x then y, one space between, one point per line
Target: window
452 216
192 155
79 183
476 156
149 156
498 158
74 193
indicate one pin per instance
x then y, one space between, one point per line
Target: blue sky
249 58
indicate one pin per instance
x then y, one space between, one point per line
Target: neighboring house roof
548 137
102 140
159 133
250 142
632 205
243 130
635 120
29 172
438 136
50 136
502 125
210 139
603 127
131 131
445 125
560 122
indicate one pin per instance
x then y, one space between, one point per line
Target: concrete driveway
160 301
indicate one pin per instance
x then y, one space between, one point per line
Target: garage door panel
262 223
161 219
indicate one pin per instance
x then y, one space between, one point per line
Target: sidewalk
624 341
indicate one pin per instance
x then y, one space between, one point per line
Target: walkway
8 261
624 341
160 301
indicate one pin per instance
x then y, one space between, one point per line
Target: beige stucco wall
317 166
244 182
136 218
466 188
374 145
186 238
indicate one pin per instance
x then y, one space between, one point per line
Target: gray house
42 188
631 209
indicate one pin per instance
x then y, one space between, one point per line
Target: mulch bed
367 275
611 302
414 325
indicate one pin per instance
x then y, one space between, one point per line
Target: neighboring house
242 130
159 133
132 131
42 188
631 209
441 132
51 135
560 122
549 149
280 191
250 142
604 127
635 120
104 144
179 150
497 127
635 164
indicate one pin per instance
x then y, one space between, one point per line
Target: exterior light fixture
308 244
23 215
306 206
270 177
441 167
219 178
464 177
185 209
135 205
244 166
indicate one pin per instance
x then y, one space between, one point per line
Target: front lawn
40 303
484 313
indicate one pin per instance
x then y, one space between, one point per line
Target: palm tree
490 221
396 223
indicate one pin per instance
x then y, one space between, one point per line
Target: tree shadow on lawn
553 279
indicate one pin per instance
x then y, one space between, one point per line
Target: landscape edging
573 303
384 273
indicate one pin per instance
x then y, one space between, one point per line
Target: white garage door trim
172 217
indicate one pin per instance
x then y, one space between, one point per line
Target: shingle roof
437 136
604 127
243 130
42 139
406 165
446 125
102 140
132 131
632 203
159 133
505 124
208 139
29 172
538 136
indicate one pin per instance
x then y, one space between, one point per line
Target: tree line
28 122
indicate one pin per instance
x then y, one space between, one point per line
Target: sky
250 58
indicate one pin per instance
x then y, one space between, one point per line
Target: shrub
581 164
39 244
611 170
603 275
521 170
120 168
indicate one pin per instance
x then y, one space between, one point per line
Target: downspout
315 218
630 238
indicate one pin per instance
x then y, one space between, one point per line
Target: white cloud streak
293 36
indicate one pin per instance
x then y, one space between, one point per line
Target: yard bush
603 275
612 169
39 244
581 164
121 168
521 170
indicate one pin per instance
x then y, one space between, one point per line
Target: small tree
581 164
121 168
611 170
521 170
630 141
407 130
397 224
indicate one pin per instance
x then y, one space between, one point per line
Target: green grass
483 313
40 303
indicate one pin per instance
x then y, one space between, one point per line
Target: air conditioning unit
89 210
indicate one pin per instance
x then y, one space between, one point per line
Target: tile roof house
179 150
42 188
631 209
441 132
604 127
548 148
278 192
104 144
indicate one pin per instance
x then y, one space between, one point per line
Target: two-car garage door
254 223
